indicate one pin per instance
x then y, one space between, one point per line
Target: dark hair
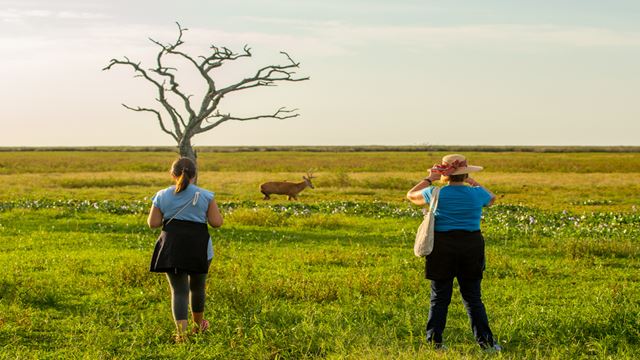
458 178
183 170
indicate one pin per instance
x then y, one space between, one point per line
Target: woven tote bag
424 237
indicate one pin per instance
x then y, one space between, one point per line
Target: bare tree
179 116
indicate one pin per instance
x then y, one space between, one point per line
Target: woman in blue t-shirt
184 250
458 249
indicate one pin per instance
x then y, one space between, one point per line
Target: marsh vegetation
332 275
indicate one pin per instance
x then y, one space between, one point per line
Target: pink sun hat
454 164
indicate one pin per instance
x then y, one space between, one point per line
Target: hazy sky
490 72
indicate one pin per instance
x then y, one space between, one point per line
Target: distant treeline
367 148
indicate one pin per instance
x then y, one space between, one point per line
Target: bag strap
434 199
193 202
433 205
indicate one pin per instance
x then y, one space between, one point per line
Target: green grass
558 191
12 162
331 276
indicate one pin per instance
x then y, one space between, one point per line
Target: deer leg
266 196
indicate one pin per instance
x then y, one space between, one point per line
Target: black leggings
181 285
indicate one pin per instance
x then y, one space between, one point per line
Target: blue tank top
459 207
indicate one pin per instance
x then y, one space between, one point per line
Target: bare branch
187 119
172 112
220 55
281 113
178 41
290 59
165 71
157 115
140 72
210 83
208 63
267 76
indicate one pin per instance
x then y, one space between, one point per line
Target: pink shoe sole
204 325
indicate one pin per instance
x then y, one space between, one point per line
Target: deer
291 189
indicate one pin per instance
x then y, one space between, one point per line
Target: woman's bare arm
415 194
213 214
155 218
472 182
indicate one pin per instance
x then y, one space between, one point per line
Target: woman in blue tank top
458 249
184 250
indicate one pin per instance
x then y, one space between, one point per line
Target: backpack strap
193 202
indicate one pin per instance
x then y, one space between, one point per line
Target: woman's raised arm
415 194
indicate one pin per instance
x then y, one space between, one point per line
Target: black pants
185 287
441 291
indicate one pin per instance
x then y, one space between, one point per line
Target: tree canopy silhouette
179 115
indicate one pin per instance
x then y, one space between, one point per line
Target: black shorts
181 247
456 253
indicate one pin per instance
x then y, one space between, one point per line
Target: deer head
307 179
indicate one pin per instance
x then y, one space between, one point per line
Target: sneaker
179 338
204 325
492 349
439 347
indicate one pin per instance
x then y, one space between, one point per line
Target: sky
404 72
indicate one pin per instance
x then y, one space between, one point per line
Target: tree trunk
186 150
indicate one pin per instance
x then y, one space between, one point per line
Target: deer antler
310 173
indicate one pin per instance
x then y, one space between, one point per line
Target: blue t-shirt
170 203
459 207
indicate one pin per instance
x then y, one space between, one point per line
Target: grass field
330 276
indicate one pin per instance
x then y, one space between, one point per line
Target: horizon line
338 148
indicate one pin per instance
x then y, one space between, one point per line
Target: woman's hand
433 176
415 194
471 181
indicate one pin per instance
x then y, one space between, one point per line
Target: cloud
453 36
497 34
319 39
80 15
16 15
334 39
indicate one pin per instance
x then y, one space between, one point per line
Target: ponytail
182 182
183 170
